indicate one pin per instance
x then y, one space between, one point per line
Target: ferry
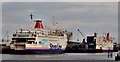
104 43
40 40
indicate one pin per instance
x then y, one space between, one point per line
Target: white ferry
40 40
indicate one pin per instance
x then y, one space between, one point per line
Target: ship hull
38 51
104 50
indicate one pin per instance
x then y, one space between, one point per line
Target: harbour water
65 56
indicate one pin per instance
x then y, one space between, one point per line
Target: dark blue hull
39 51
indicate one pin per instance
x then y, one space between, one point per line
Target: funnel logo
43 41
55 46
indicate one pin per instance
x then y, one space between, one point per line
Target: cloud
60 1
89 17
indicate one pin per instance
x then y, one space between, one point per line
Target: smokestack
38 24
107 38
95 34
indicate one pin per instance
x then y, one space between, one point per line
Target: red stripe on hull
12 48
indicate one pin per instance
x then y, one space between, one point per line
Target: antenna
31 16
53 22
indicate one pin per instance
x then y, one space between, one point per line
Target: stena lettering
55 46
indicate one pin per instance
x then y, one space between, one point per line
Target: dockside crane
82 35
5 37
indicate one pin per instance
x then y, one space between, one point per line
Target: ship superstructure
40 40
105 42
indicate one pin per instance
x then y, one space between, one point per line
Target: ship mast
31 25
53 23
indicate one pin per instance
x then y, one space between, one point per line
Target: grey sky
88 17
60 0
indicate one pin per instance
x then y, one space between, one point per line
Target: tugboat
39 40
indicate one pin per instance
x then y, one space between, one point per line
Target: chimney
107 38
95 34
38 24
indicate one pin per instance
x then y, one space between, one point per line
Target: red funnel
107 37
95 34
38 24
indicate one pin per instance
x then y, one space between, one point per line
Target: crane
5 37
82 35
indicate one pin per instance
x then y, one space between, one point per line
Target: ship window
22 39
39 42
14 34
31 38
28 31
34 35
12 42
31 42
35 42
42 33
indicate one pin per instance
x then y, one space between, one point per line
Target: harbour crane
5 37
82 35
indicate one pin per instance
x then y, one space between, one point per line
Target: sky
89 17
60 0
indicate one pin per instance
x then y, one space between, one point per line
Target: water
65 56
